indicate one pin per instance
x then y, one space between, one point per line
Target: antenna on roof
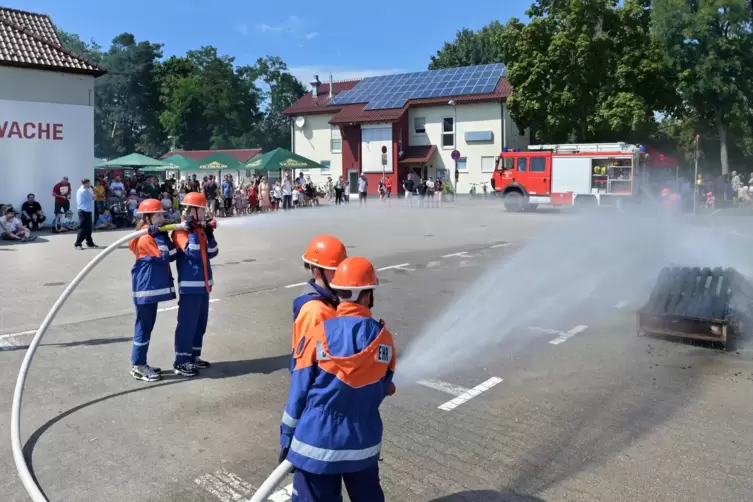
331 85
315 86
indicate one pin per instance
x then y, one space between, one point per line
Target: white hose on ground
27 479
274 479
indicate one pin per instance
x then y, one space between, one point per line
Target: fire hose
31 486
274 479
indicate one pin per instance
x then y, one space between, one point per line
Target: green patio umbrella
177 162
134 160
219 161
281 158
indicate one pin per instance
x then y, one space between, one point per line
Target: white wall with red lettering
39 144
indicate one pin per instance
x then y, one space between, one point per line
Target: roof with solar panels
386 98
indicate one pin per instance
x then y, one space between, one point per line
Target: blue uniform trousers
362 486
193 313
146 316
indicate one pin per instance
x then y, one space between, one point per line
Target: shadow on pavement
220 369
94 342
487 496
264 365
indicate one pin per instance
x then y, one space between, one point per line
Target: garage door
373 138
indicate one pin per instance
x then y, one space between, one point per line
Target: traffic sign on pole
455 155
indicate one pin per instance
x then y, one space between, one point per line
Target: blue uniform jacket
343 371
311 292
151 277
194 253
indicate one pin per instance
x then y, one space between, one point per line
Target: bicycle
472 191
486 191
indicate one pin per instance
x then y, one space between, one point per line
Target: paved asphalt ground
578 409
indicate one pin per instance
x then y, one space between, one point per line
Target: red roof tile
38 24
418 154
242 154
32 45
356 114
308 104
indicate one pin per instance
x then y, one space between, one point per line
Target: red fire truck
592 174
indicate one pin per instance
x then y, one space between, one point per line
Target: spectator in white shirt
11 227
287 192
117 187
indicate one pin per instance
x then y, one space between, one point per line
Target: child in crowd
67 223
132 202
296 196
104 222
167 201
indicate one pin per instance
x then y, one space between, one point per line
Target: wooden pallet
698 303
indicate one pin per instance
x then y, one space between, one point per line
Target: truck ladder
585 147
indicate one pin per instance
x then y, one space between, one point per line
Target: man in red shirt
62 194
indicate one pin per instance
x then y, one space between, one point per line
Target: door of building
353 181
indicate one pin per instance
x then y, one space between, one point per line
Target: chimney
331 85
315 86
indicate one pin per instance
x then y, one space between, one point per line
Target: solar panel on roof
393 91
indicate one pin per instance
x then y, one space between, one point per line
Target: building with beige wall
419 134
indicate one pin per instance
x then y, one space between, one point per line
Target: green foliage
470 48
203 99
586 70
708 44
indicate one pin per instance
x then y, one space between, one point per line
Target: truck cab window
522 164
538 164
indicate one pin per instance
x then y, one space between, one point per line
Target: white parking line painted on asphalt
441 386
225 485
283 495
7 343
621 304
548 331
20 333
503 245
174 307
402 265
462 253
470 394
566 336
295 285
432 264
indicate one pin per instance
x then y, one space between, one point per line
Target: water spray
31 486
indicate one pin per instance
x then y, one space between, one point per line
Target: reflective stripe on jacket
194 268
343 371
151 277
313 306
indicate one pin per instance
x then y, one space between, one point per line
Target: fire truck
595 174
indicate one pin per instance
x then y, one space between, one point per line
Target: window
538 164
336 143
522 165
487 164
463 164
400 140
448 132
327 166
419 125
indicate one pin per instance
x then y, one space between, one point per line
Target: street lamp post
453 104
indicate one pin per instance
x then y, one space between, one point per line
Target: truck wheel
514 202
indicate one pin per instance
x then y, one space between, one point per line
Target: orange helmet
665 192
194 199
150 206
325 251
355 274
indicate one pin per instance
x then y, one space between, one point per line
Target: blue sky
347 38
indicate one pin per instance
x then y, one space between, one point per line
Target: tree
90 51
586 71
709 45
127 100
470 48
283 90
